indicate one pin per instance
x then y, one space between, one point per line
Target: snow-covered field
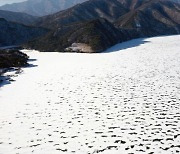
124 101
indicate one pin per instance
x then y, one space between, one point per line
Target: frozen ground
120 102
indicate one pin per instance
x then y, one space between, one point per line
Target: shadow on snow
6 79
126 45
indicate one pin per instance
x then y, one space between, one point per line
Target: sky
2 2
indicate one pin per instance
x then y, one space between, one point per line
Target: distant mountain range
18 17
40 7
95 25
125 19
114 11
15 34
110 10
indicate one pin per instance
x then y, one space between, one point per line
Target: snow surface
126 100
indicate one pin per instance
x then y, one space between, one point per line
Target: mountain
18 17
94 36
105 23
95 25
41 7
110 10
15 34
153 18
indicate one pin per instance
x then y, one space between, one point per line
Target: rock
12 58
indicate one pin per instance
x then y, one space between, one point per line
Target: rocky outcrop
12 58
15 34
79 47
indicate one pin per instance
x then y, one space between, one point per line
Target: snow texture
126 100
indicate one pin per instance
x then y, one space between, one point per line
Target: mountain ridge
40 7
162 17
92 9
93 33
15 34
130 18
95 25
18 17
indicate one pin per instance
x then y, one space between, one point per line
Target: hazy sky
2 2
